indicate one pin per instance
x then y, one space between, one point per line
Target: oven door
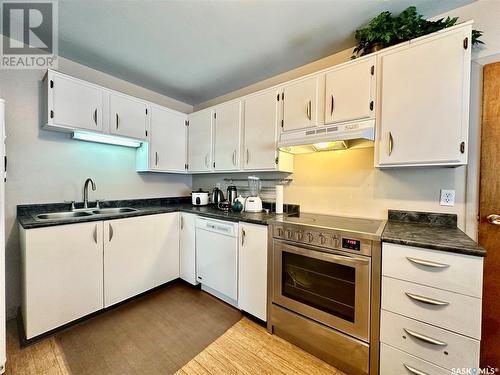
332 288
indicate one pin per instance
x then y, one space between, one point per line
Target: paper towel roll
279 199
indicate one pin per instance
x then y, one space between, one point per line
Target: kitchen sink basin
62 215
114 210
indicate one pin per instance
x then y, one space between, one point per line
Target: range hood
329 137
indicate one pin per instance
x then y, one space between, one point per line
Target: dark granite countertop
429 230
26 214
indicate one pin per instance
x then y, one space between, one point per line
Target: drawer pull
427 263
426 300
425 338
414 370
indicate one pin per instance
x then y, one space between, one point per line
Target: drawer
455 272
436 345
455 312
396 362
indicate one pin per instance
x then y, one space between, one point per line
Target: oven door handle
329 257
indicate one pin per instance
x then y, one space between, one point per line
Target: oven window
327 286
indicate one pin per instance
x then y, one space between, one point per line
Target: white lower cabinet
252 278
187 248
166 246
62 275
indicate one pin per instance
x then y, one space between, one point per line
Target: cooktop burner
371 226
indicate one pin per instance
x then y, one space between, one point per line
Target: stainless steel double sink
84 213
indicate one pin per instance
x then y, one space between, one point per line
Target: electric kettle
217 196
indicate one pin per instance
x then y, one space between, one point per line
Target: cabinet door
252 283
349 92
260 127
74 104
62 275
200 141
129 258
423 101
127 116
187 248
168 140
300 104
227 137
166 247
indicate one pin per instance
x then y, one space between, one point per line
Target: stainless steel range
324 287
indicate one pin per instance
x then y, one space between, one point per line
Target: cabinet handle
95 234
425 338
206 161
391 143
427 263
414 370
95 116
110 232
248 155
243 234
182 222
117 120
234 158
426 300
156 158
332 104
308 109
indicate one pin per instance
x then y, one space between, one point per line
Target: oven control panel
327 238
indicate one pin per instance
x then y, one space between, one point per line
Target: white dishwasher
217 258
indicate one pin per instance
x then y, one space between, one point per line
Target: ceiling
196 50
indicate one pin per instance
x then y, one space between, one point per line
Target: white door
168 140
227 136
74 103
127 116
200 141
252 280
423 101
260 129
62 275
129 258
349 92
300 104
166 247
187 248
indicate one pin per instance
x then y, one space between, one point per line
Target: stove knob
322 238
336 241
280 232
300 235
289 234
310 237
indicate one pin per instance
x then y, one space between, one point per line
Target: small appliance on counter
253 203
199 197
217 196
232 193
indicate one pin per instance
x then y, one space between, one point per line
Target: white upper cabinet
168 144
300 103
423 101
72 104
128 116
349 92
200 141
227 137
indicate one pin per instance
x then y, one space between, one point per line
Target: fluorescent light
104 138
330 146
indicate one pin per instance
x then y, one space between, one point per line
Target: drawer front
434 268
436 345
396 362
452 311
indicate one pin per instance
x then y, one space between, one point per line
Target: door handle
95 234
110 232
182 222
493 219
425 338
391 143
156 158
117 120
414 370
248 155
95 116
234 158
206 160
427 263
426 300
243 234
308 110
332 105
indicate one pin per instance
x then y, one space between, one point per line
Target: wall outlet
447 197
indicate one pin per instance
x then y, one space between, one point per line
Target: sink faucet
86 191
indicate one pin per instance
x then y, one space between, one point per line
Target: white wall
47 166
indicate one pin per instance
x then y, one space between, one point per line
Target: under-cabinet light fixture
103 138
